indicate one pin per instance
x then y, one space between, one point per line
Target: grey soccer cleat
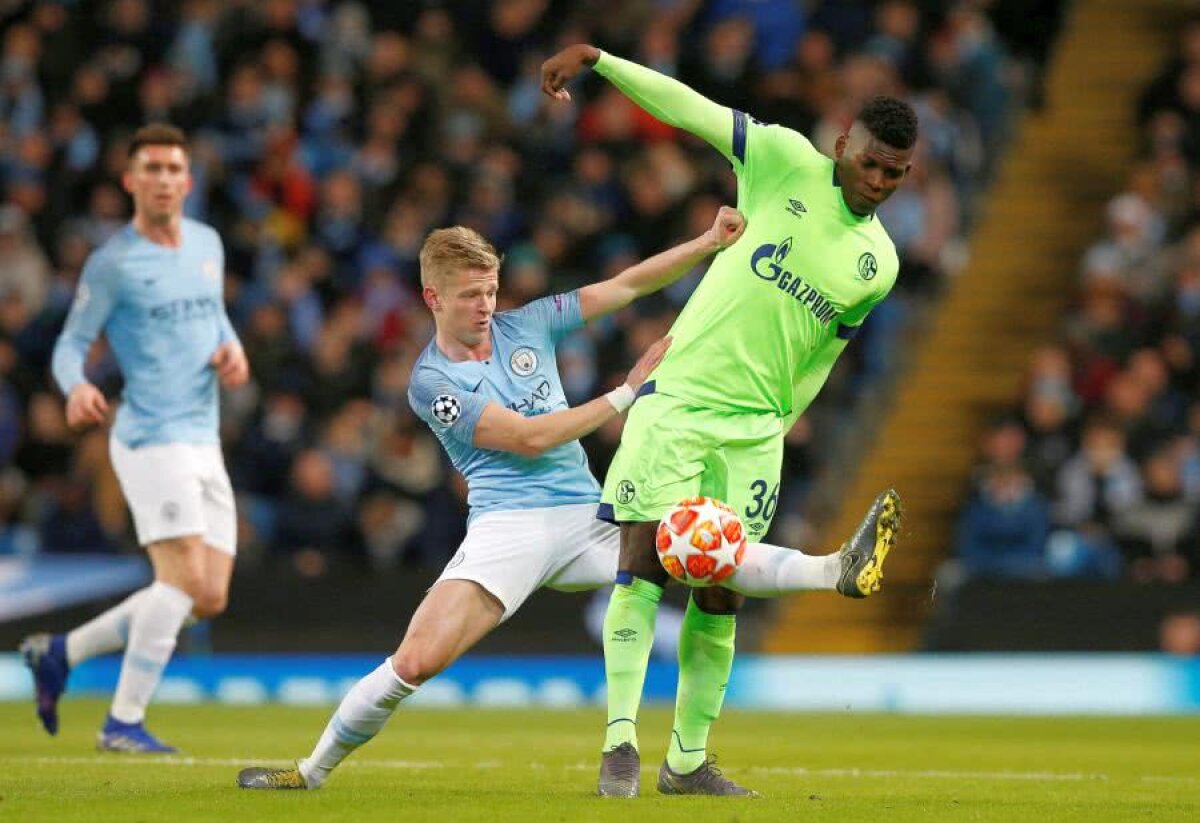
620 772
861 557
257 777
705 780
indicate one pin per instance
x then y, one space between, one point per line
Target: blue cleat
129 737
46 657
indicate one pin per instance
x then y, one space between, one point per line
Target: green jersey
774 311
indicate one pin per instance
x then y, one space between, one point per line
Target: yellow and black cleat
861 557
258 777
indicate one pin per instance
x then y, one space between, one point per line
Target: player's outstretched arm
502 429
662 269
664 97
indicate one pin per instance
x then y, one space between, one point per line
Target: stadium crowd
330 137
1097 473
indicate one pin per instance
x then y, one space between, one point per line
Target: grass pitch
495 765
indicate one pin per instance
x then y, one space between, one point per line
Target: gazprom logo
767 263
774 255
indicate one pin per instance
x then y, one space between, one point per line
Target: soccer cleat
257 777
46 657
861 557
707 779
620 772
130 738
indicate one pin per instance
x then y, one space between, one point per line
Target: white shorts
513 553
176 490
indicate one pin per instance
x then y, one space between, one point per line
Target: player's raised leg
452 618
855 570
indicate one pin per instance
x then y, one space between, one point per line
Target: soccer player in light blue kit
155 289
488 387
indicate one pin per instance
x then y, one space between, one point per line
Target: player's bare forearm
662 269
664 97
502 429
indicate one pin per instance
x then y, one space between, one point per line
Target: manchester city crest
523 361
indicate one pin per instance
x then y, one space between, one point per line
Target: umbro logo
624 635
796 207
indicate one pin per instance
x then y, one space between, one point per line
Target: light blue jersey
521 374
164 314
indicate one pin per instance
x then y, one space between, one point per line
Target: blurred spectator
314 527
1179 634
1159 534
1002 531
1099 481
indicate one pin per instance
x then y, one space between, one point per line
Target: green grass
449 765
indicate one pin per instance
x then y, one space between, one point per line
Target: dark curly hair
891 120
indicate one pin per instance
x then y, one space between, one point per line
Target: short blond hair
457 248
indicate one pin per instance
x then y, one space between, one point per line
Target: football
700 541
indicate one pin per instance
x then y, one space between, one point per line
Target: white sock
106 632
359 717
769 571
152 632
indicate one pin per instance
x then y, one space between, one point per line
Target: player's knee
414 663
717 600
190 582
638 555
211 603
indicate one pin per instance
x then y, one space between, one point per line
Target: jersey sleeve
554 317
763 152
445 407
227 333
94 301
805 390
852 319
669 100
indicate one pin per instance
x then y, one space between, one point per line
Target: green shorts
671 450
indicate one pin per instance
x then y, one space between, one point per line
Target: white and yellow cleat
861 557
258 777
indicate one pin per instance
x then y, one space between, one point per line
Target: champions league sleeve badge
446 409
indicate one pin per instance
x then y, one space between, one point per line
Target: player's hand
86 406
647 363
559 69
727 228
232 367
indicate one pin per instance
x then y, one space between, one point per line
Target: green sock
628 636
705 660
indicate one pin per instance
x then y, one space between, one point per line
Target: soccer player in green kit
751 349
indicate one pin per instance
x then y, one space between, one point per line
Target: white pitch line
418 765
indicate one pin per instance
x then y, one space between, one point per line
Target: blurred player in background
156 290
752 348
